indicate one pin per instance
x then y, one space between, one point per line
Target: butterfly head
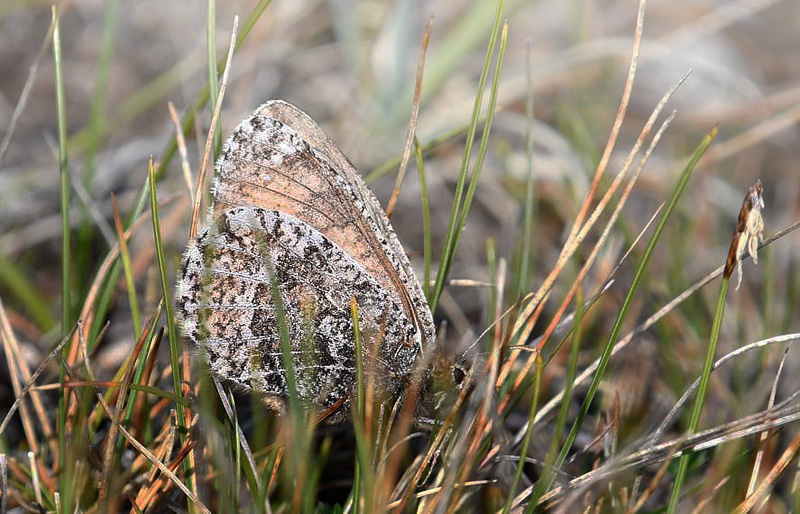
447 379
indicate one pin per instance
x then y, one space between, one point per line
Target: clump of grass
154 436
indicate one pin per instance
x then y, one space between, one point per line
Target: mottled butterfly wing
285 196
227 305
280 159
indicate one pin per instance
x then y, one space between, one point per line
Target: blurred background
350 64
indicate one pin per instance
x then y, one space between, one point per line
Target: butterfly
289 209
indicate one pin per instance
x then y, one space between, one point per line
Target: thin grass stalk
487 129
189 117
359 417
126 266
702 390
523 453
448 248
174 341
426 221
640 272
61 115
140 369
297 440
3 485
97 112
172 331
97 118
549 471
527 218
207 149
412 124
748 232
62 462
478 166
213 70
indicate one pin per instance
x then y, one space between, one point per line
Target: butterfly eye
458 375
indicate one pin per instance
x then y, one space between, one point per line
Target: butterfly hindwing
227 306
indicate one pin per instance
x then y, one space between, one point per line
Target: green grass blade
86 233
174 341
66 465
549 471
213 71
455 210
66 290
473 181
523 453
359 415
97 112
130 283
702 390
524 268
426 221
137 377
172 331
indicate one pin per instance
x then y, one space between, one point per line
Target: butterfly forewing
280 159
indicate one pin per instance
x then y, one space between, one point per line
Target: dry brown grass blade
603 237
785 338
87 314
766 486
201 179
659 476
526 321
119 411
615 129
181 142
142 449
165 441
744 427
412 124
652 320
22 380
751 487
737 144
